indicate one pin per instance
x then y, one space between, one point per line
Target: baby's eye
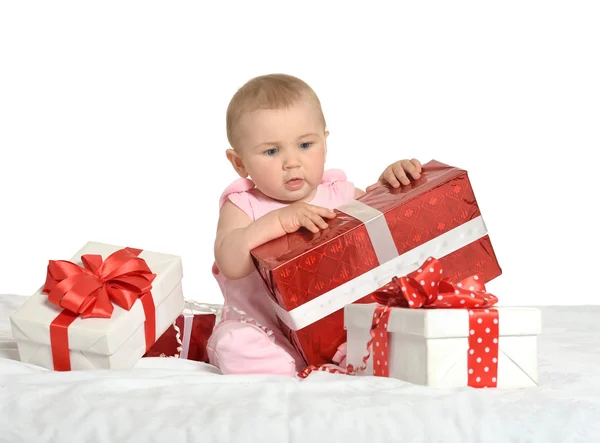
271 151
305 145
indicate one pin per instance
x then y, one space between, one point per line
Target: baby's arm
237 235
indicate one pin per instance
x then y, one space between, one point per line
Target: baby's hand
396 173
300 214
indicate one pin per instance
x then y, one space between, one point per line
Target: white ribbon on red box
192 308
391 264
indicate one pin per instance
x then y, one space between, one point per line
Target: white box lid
444 323
99 335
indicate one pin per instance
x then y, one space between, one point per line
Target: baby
277 132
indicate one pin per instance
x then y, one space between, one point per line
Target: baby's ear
236 162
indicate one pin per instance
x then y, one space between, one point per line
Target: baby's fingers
392 178
318 220
400 174
323 212
417 164
308 223
411 168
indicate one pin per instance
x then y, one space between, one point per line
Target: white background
112 121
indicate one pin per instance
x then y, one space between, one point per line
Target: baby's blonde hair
272 91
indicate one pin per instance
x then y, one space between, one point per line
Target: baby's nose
291 162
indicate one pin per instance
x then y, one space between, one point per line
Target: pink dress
248 339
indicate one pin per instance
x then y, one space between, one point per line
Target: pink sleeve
337 180
237 194
333 175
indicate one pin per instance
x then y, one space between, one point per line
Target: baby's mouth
295 183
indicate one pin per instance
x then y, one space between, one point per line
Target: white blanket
170 400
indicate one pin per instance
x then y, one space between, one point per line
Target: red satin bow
425 288
91 291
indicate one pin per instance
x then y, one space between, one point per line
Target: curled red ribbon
91 291
425 288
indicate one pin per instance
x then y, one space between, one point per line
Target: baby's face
283 150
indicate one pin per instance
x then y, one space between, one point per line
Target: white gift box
117 342
431 346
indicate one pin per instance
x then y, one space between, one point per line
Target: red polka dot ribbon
425 288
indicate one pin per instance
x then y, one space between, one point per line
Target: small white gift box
116 342
447 347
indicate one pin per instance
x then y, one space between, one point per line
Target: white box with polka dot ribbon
448 348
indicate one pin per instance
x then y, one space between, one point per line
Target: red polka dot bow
425 288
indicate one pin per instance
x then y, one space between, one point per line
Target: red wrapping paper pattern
167 345
303 266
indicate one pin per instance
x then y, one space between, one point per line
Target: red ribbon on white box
90 291
425 288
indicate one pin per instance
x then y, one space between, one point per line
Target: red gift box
386 232
186 338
